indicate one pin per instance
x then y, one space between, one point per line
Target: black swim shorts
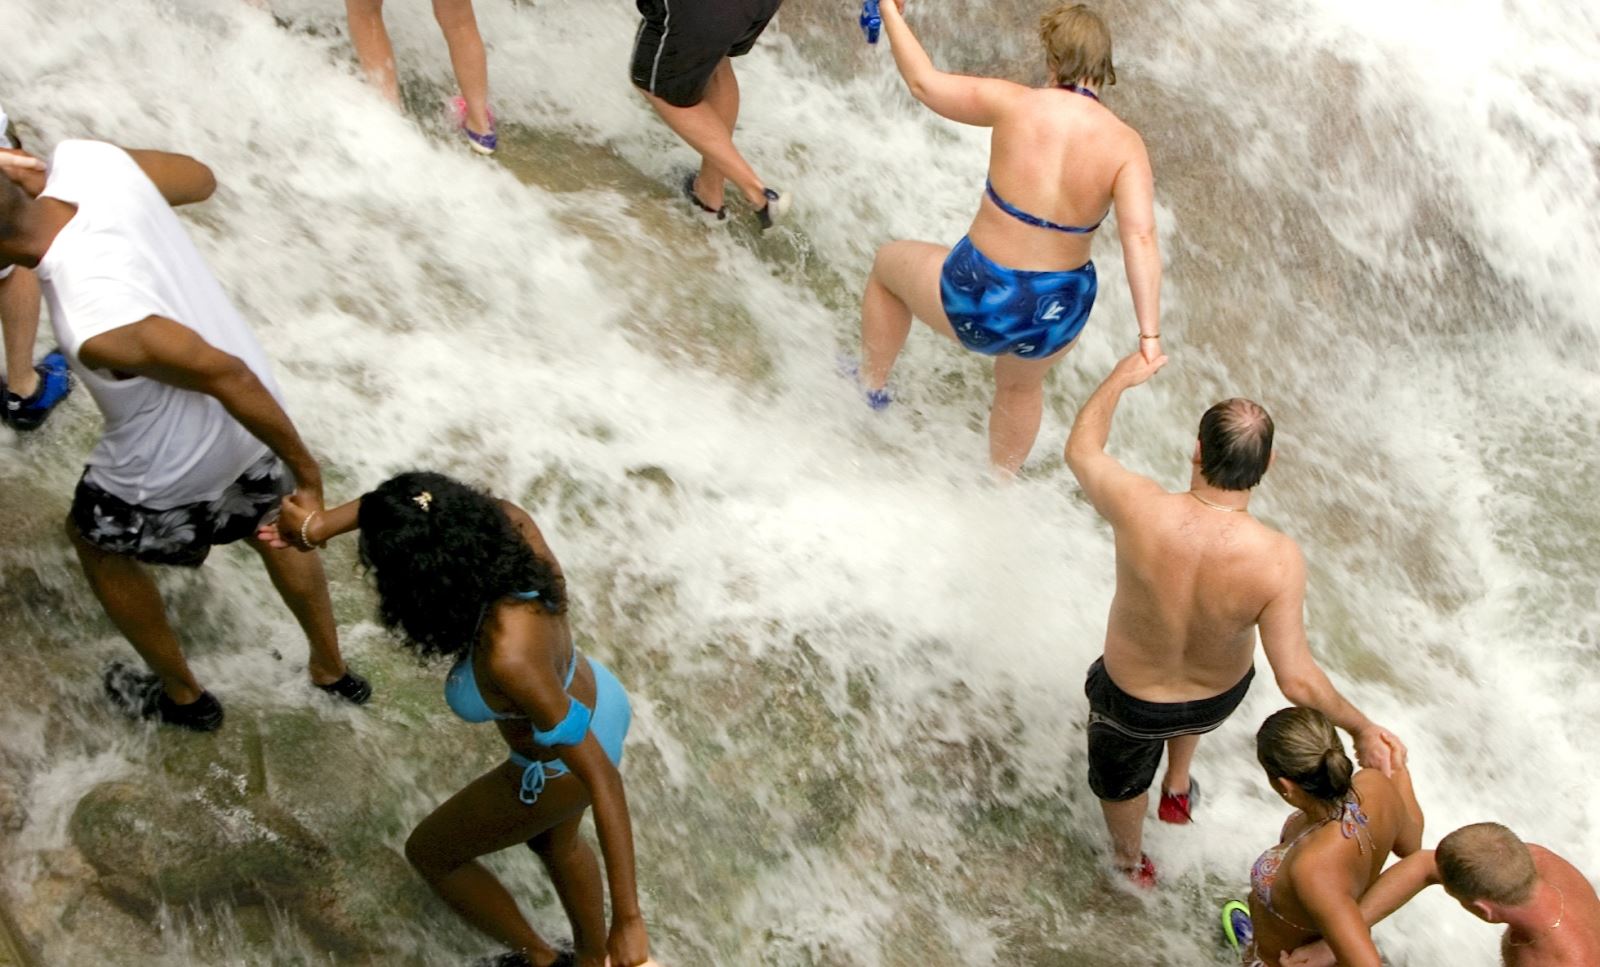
184 535
681 42
1127 734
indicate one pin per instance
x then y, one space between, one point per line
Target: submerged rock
153 845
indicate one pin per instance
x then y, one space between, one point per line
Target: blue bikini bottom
997 310
609 723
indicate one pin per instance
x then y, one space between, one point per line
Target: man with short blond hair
1549 907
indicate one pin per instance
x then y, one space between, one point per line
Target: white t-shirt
123 258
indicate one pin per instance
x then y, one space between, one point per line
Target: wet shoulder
524 524
1553 866
518 636
1380 801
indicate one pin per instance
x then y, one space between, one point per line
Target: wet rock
152 845
655 475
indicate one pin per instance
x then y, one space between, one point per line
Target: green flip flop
1236 924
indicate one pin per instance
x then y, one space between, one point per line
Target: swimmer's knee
1018 390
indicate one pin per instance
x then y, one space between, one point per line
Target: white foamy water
857 667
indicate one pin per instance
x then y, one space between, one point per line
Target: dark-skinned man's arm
169 352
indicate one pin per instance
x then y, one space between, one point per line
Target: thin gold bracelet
1155 336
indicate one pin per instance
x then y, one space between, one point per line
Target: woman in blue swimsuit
1020 285
1330 852
461 573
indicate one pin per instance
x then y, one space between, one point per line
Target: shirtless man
1196 576
1550 910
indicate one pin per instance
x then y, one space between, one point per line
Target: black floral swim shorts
181 536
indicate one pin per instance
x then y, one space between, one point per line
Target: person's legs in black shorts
681 64
115 540
1126 736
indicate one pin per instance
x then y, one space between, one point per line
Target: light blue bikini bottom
609 723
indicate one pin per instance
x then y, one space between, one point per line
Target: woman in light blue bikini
461 573
1019 287
1345 827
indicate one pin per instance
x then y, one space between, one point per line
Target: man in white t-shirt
29 391
197 449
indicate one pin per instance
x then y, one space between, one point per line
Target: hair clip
423 500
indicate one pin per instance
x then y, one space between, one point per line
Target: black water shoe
352 688
140 695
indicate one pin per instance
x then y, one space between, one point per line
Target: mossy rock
153 846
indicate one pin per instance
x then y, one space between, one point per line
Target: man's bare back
1197 578
1192 581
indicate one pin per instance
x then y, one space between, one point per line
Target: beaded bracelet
305 525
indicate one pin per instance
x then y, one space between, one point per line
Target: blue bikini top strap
570 730
1034 220
1079 89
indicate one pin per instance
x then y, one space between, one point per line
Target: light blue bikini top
462 694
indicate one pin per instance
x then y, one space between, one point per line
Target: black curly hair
440 552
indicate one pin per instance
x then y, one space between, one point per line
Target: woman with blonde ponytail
1345 826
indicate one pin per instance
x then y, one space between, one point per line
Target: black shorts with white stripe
681 42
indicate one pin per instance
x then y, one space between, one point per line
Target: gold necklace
1215 506
1547 930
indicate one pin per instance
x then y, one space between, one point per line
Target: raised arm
1110 486
1133 194
171 353
1302 680
963 99
181 179
529 680
1393 890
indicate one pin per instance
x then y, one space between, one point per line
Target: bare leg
372 45
460 27
576 875
1125 820
19 318
706 131
1180 752
1018 408
133 603
904 282
722 94
485 817
301 583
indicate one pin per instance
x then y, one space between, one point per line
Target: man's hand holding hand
1135 369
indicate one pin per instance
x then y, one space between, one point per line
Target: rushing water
857 666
